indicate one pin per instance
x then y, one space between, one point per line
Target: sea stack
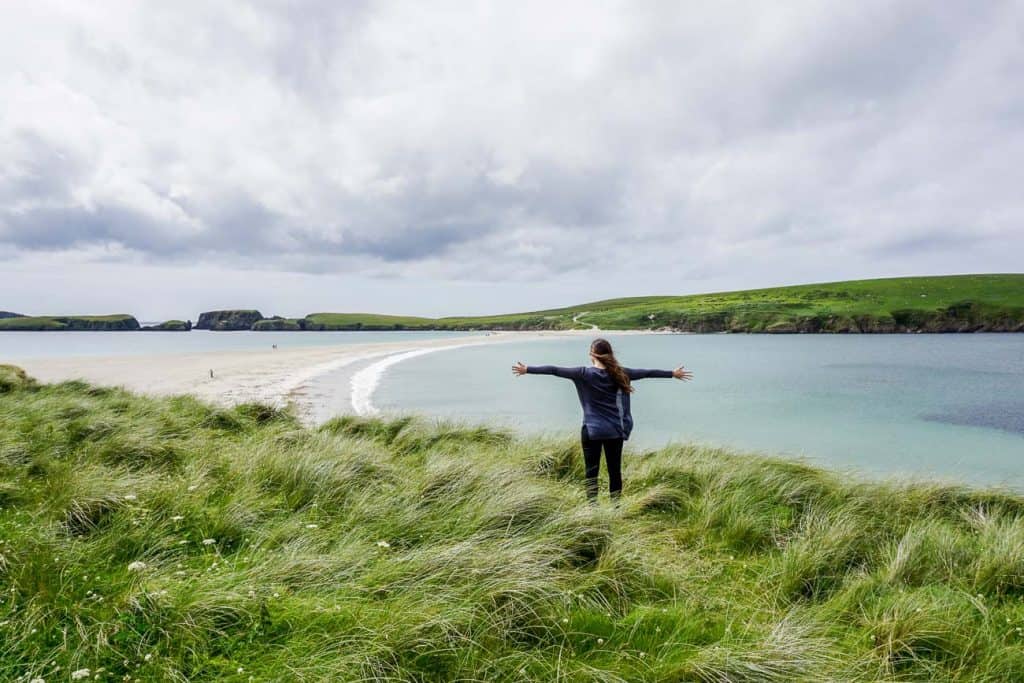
228 320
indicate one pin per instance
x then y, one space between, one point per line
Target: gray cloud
402 139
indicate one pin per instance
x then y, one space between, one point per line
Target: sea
948 407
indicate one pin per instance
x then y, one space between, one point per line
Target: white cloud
657 145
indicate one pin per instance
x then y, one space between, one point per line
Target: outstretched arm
521 368
679 373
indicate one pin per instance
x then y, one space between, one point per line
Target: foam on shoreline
365 382
275 376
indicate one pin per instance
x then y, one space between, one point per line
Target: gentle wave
365 382
281 392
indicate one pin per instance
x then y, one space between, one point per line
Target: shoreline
275 376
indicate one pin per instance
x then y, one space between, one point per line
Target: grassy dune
167 539
930 304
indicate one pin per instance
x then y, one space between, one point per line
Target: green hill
94 323
167 539
953 303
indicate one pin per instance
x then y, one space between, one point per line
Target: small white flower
37 680
565 620
131 496
277 595
148 657
137 566
600 641
177 518
241 670
312 526
80 674
192 488
383 544
182 542
209 541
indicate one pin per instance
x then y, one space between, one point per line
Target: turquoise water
15 345
937 406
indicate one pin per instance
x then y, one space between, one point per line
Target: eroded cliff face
120 324
278 324
170 326
228 320
961 317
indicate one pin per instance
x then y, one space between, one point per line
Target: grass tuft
166 539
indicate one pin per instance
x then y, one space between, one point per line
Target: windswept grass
166 539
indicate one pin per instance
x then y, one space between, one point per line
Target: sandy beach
275 376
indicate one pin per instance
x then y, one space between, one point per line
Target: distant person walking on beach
604 388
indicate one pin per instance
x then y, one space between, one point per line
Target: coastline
274 376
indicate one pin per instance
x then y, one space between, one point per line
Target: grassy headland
169 326
950 303
106 323
167 539
953 303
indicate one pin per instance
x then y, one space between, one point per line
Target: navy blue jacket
605 406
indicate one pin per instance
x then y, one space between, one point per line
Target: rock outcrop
960 317
279 324
170 326
228 320
54 323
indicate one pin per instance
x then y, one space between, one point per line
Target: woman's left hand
519 369
682 373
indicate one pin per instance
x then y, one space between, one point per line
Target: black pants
592 460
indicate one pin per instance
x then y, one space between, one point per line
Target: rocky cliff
170 326
90 323
277 324
961 317
228 320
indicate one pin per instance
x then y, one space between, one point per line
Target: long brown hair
601 350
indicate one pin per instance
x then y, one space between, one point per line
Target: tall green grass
167 539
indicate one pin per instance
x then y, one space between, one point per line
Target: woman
604 390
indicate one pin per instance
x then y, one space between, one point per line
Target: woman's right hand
519 369
682 373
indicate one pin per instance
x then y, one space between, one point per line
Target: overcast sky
454 157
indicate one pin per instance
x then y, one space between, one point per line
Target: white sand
277 376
